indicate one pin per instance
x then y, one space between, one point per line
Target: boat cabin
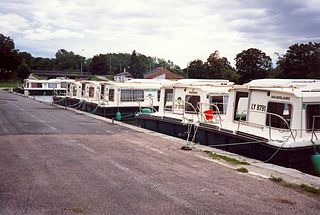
276 109
195 97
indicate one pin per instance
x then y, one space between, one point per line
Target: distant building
122 77
162 73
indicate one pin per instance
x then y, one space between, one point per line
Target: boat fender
315 158
118 116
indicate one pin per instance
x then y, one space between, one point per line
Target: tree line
300 61
18 65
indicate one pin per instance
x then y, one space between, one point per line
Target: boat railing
269 126
216 112
313 132
194 110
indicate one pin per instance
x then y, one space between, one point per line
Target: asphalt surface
54 161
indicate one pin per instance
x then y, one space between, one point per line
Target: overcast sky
179 30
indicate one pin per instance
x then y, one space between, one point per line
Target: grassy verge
9 83
226 158
301 187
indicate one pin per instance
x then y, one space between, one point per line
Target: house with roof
122 77
162 73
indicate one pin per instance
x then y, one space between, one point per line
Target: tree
135 66
66 60
196 69
301 61
23 71
252 64
99 65
9 58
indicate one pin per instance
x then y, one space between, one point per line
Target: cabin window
132 95
83 86
313 113
192 103
36 85
91 92
74 91
52 85
241 106
168 95
111 95
63 84
220 102
102 92
283 112
158 95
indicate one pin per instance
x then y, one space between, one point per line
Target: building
162 73
122 77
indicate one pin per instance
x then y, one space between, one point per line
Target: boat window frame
187 105
222 110
91 92
111 94
306 117
283 116
132 95
236 105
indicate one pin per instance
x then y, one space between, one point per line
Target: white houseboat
280 120
46 87
107 98
187 103
273 120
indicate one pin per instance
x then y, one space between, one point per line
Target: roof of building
160 71
127 74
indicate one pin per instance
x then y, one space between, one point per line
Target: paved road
54 161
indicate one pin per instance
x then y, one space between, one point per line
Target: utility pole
81 62
110 64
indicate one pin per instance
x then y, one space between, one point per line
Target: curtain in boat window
132 95
52 85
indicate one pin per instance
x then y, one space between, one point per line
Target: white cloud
12 23
46 33
180 30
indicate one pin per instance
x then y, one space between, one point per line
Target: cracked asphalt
55 161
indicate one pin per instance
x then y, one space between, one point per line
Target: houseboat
273 120
279 119
46 87
186 104
111 99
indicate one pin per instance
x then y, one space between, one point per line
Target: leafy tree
301 61
136 67
66 60
23 71
9 58
196 69
252 64
40 63
99 65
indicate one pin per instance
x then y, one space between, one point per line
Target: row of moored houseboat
273 120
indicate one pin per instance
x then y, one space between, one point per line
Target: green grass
9 83
301 187
310 189
242 169
226 158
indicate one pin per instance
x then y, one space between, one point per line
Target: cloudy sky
179 30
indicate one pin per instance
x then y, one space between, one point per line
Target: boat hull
247 145
127 113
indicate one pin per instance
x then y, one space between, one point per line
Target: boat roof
202 82
297 87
